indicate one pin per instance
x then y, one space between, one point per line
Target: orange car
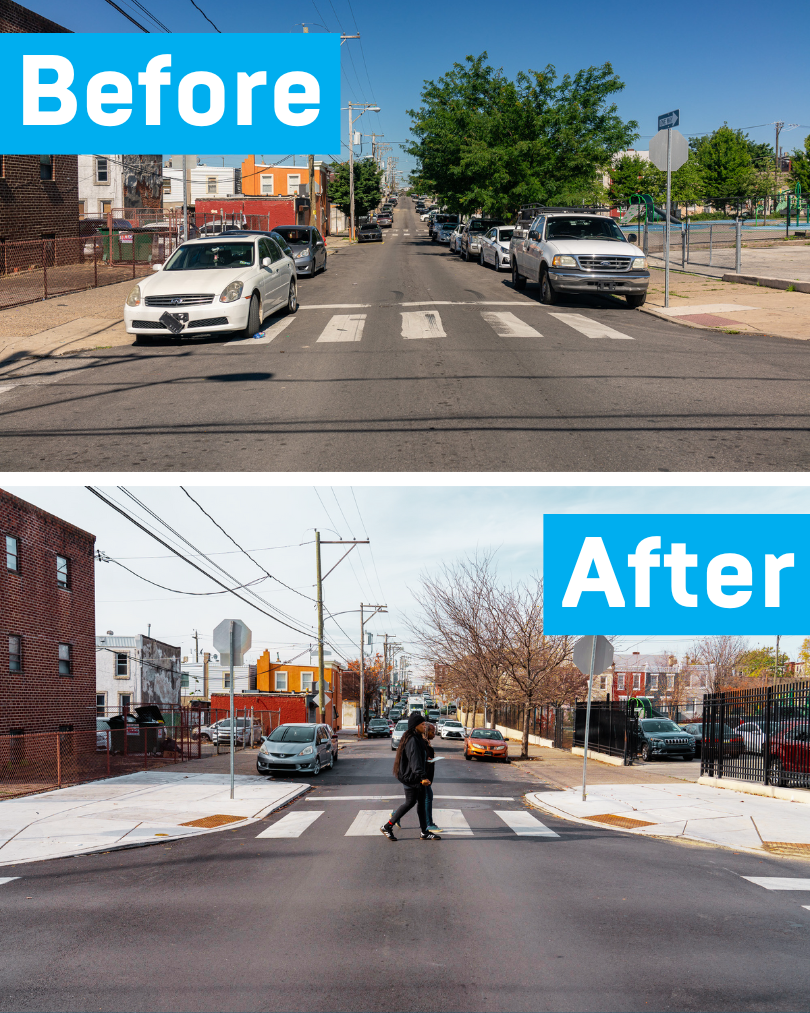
486 742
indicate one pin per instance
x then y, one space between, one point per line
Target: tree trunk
524 745
474 712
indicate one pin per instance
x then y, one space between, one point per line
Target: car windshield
662 725
401 726
378 721
584 228
485 733
368 228
295 237
453 724
292 733
211 257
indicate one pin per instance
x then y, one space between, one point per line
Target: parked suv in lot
574 251
659 737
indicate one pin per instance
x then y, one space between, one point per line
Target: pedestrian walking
429 733
411 770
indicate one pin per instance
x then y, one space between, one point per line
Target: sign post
668 150
591 655
232 639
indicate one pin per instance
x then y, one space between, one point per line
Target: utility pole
377 608
776 661
196 646
365 107
779 124
313 217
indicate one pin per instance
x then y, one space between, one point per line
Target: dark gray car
304 748
309 249
661 737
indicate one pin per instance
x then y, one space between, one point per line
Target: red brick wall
293 708
38 699
14 18
262 212
30 207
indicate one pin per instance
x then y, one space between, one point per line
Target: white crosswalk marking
367 822
524 824
8 386
344 327
7 879
779 882
452 821
270 332
507 325
424 324
590 328
291 825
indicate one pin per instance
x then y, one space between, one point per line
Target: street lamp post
365 107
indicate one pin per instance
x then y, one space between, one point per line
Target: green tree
484 141
367 187
727 168
800 168
758 663
633 174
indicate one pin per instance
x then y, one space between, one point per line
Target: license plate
606 286
174 322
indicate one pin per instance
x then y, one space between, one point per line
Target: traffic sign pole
588 719
230 680
591 654
666 221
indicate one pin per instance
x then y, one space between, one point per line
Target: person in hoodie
411 770
428 733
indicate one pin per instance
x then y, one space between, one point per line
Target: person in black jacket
411 769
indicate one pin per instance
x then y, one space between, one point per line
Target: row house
119 183
131 671
260 180
202 181
637 674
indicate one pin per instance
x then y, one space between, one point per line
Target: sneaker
433 829
391 819
428 835
388 830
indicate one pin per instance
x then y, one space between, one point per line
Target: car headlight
134 297
301 253
232 292
639 264
306 751
562 261
265 748
657 742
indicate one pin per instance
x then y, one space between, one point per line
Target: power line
134 22
210 22
103 558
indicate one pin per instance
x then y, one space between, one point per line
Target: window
281 680
105 206
307 682
167 186
46 166
226 678
101 704
652 681
293 182
82 208
62 571
620 681
212 184
12 554
603 681
102 171
65 667
15 654
670 682
125 701
184 680
636 680
121 666
267 186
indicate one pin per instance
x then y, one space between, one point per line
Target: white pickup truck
574 251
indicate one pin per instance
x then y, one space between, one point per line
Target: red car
486 743
789 759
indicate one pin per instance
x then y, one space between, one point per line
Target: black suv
659 737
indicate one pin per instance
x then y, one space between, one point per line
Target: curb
684 321
763 282
800 795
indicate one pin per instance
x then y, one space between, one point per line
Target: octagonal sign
242 640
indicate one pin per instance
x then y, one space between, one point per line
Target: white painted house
131 671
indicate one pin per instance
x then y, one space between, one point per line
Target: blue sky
722 61
413 530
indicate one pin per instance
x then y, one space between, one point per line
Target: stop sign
242 639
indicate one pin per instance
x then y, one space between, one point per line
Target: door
323 747
320 250
273 277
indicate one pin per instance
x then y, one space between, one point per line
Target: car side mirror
157 267
533 234
266 262
632 238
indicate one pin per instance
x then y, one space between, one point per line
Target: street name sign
676 574
242 639
230 93
671 119
679 152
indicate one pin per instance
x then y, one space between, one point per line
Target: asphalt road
590 919
404 358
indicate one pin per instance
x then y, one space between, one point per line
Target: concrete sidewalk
694 812
148 807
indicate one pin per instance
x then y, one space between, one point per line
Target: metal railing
613 728
547 722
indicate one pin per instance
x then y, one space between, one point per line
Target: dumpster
128 245
137 733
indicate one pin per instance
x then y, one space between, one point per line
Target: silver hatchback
296 747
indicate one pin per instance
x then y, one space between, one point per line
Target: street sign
582 655
672 119
658 149
242 639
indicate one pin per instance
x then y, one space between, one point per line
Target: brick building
15 18
47 614
250 212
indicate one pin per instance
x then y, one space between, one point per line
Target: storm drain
625 822
213 821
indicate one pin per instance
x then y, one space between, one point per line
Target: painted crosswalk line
452 821
779 882
507 325
8 386
524 824
422 324
291 825
590 328
344 327
268 334
367 823
7 879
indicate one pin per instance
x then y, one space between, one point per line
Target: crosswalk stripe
507 325
367 823
779 882
344 327
8 386
269 333
590 328
422 324
291 825
452 821
524 824
7 879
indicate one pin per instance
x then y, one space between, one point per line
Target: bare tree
722 653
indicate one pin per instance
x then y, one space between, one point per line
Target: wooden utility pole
313 215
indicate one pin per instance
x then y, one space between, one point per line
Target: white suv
575 251
211 286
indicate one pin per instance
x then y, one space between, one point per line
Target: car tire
481 261
634 301
497 264
465 255
776 774
518 281
547 294
467 756
254 320
292 298
316 768
646 753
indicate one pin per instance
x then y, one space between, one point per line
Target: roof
116 641
640 662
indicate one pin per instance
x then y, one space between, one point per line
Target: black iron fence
613 727
760 735
548 722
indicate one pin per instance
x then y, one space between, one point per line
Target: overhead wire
210 22
199 594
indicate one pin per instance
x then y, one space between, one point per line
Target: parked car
455 238
300 747
495 248
385 220
441 219
439 722
443 232
733 739
486 743
102 734
220 731
399 729
275 236
433 714
369 233
216 286
753 734
474 230
789 759
377 728
452 729
571 252
661 737
424 216
307 245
